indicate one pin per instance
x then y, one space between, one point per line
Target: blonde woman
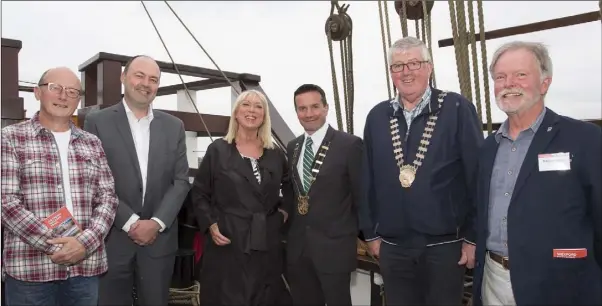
236 195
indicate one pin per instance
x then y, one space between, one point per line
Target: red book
62 223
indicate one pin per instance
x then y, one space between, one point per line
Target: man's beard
526 101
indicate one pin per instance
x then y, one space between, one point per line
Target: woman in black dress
236 197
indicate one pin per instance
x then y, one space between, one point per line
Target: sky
285 43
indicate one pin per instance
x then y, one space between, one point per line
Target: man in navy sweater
539 194
420 161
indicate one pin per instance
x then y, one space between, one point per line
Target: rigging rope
202 48
382 31
403 18
484 66
388 24
177 70
461 44
427 20
339 27
464 48
206 53
475 67
459 36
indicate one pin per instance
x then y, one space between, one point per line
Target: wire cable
178 71
202 48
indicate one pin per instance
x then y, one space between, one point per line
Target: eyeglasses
411 66
58 89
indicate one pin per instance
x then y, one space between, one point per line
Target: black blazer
330 229
550 210
226 191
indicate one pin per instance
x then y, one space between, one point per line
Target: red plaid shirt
32 190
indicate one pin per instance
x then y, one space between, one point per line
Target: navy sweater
440 201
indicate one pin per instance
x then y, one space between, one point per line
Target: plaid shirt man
32 190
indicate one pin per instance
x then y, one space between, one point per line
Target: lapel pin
549 128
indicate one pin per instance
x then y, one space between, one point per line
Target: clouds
285 43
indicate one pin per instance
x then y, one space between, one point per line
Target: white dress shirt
317 137
141 135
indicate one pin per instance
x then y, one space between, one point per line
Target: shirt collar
38 127
503 130
396 103
150 115
319 134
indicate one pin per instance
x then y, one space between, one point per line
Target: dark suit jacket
329 230
167 183
550 210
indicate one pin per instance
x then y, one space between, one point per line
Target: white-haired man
539 194
420 161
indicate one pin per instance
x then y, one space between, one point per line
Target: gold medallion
303 205
407 174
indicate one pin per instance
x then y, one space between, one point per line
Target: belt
256 237
502 260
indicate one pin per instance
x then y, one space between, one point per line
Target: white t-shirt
62 141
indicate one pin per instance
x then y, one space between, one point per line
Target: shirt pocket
38 171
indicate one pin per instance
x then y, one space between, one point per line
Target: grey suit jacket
167 180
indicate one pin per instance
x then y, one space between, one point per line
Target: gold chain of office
407 173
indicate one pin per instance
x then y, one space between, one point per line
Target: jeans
74 291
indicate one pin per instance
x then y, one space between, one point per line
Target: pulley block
339 26
414 10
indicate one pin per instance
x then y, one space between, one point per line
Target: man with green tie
322 205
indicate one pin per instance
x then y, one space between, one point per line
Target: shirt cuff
469 242
133 218
160 224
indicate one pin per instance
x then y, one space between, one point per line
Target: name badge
570 253
554 162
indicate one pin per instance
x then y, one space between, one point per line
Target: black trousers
310 287
425 276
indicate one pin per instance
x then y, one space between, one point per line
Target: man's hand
284 213
217 237
71 252
144 232
374 247
467 258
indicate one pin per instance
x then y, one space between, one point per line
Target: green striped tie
308 158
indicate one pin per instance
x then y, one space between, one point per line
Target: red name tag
570 253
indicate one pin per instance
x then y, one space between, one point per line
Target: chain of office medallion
424 142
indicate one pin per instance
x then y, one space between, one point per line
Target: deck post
12 105
184 105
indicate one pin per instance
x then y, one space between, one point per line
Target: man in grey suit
146 150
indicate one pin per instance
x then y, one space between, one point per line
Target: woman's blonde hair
265 130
